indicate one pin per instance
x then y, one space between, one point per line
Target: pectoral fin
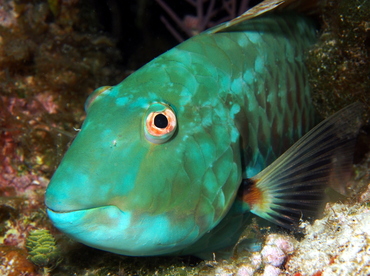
293 186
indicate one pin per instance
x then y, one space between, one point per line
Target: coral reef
340 63
337 244
47 70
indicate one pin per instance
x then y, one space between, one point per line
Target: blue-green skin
241 98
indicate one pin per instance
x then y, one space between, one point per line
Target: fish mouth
111 229
50 209
104 227
97 218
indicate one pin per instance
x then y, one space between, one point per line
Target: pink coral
273 255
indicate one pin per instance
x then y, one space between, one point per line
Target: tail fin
294 185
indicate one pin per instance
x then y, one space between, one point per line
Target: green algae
43 250
42 247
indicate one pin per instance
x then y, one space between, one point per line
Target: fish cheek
153 182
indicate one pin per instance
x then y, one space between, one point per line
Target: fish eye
160 123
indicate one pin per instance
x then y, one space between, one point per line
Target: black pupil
160 121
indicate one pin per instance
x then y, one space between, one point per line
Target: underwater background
54 53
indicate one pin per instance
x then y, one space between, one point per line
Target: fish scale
231 100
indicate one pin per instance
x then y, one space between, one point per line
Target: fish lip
58 212
77 210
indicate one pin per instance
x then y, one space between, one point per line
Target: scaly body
238 98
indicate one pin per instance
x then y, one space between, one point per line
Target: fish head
147 174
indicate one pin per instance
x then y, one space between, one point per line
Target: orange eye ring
160 123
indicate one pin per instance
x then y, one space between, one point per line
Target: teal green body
241 98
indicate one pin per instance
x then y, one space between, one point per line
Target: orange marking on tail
252 195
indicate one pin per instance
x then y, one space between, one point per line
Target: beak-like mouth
51 210
59 212
100 227
110 229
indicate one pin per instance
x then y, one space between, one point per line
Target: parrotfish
179 156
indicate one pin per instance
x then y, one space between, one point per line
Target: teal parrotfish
176 158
